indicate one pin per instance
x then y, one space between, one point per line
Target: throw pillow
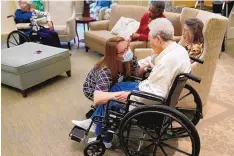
121 25
129 29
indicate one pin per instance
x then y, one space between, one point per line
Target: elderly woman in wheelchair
27 21
153 129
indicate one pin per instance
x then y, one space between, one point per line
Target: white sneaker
107 145
85 124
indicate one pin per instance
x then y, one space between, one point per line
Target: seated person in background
100 4
172 60
26 14
192 40
117 63
156 10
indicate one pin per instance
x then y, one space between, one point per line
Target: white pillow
120 25
129 29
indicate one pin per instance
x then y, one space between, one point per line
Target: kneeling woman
118 62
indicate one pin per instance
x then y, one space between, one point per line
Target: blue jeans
100 111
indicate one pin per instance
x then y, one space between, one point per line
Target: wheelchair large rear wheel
146 131
190 97
16 38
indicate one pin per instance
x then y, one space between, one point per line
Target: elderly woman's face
187 34
24 6
153 13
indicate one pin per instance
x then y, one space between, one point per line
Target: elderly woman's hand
50 25
135 36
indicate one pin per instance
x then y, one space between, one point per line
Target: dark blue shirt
22 17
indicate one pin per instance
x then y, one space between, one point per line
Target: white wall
79 8
7 8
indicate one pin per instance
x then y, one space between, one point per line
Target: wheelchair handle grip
10 16
192 77
196 59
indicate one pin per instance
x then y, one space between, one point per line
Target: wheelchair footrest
78 134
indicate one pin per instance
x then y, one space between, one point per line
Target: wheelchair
18 37
158 129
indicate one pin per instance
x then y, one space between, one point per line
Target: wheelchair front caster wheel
96 148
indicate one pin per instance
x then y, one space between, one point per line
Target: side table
83 20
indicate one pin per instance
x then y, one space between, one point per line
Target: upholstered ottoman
29 64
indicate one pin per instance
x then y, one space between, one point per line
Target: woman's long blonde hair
110 58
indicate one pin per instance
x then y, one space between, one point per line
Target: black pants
49 37
217 8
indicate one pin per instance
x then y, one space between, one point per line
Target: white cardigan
168 64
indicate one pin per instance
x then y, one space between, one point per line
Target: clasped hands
133 37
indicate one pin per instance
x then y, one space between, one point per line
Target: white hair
162 27
29 2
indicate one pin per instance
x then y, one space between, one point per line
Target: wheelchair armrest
132 79
119 102
11 16
146 95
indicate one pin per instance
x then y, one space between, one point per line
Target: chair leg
74 40
24 93
69 45
86 49
68 73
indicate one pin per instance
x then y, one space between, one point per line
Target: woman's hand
128 39
50 25
122 96
135 36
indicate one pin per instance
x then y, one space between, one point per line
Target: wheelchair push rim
191 97
16 38
152 139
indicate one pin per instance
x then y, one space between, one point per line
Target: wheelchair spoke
186 109
12 43
176 149
174 137
184 96
145 131
155 150
15 39
165 126
164 152
139 139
